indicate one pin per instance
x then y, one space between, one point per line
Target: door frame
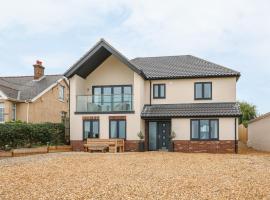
147 130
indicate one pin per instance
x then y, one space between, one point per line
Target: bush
17 134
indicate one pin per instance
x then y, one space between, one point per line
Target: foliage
18 134
249 112
140 135
173 135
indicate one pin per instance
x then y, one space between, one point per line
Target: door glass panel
152 135
95 130
122 129
117 98
86 131
113 128
107 92
204 129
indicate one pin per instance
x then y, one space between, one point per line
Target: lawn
149 175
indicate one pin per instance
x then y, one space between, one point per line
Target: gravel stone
147 175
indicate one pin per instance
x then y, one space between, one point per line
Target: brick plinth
77 145
131 145
222 146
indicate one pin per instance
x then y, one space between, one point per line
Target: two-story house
114 97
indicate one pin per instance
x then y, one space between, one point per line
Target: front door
159 135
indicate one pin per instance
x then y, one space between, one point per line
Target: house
114 97
259 133
34 99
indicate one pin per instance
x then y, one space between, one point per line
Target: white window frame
2 107
14 112
61 92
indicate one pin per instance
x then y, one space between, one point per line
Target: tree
249 112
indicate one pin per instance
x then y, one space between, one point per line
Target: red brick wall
77 145
222 146
131 145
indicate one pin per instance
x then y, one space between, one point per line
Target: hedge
16 135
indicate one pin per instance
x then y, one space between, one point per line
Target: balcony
116 103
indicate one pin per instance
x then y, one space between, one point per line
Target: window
204 129
14 112
90 129
118 129
159 91
203 91
61 93
113 98
2 117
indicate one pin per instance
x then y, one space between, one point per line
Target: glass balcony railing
104 103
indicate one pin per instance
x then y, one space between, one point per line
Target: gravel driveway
149 175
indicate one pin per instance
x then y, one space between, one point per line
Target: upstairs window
203 91
2 117
159 91
61 93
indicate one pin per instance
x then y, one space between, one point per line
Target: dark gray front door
159 132
163 135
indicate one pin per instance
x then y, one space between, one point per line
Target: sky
232 33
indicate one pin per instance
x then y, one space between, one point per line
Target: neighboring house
114 97
34 99
259 133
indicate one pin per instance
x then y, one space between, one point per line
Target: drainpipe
235 136
150 92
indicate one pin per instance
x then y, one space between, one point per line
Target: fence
243 133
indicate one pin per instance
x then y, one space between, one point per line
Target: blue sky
233 33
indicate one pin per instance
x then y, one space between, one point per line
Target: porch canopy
191 110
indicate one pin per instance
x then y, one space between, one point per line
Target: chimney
38 70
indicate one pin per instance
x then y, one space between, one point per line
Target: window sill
61 100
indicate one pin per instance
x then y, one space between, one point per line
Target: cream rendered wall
182 90
181 126
259 134
110 72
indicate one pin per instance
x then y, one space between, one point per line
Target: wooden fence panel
243 133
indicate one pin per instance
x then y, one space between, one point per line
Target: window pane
214 129
198 90
127 98
162 90
97 95
107 94
95 130
195 129
207 90
204 129
127 90
155 90
86 131
113 129
1 112
152 135
122 129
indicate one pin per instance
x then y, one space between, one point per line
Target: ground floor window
118 128
90 129
13 112
204 129
2 117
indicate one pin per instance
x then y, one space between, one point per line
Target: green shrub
20 134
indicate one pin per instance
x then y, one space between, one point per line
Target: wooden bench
103 144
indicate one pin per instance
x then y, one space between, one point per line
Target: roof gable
94 57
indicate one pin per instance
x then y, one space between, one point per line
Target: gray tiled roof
185 66
191 110
27 88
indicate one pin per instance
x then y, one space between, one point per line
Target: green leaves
26 135
249 112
